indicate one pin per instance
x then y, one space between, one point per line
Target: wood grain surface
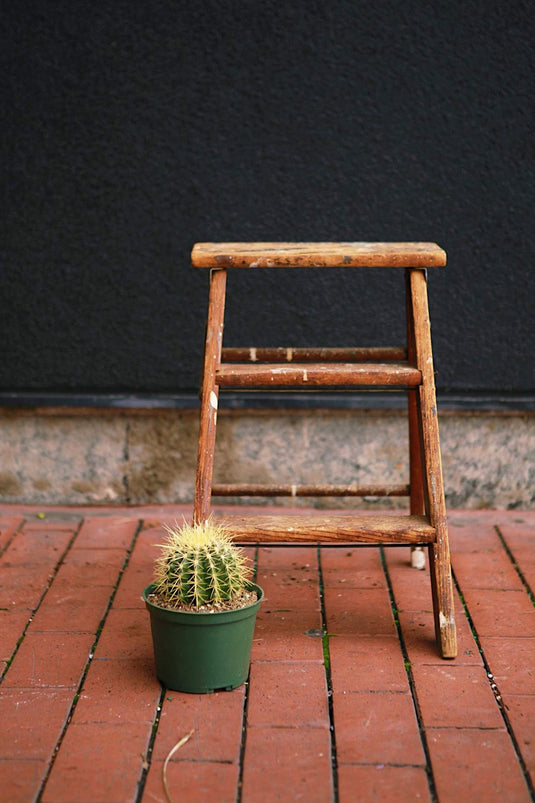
317 255
264 489
311 354
379 529
317 374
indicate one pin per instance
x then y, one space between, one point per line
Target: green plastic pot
202 652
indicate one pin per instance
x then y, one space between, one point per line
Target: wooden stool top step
317 255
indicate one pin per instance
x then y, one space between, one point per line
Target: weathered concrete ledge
73 456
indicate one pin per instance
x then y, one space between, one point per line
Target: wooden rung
254 489
263 354
317 255
310 374
331 529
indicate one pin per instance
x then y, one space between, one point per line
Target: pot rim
208 614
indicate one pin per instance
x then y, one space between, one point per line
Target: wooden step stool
410 368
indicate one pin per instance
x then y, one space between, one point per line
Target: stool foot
447 639
417 557
443 607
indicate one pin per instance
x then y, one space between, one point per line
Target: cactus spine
200 565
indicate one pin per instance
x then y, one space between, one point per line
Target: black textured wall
135 129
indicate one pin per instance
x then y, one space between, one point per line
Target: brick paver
287 764
382 784
50 660
289 623
290 694
192 781
98 762
348 699
369 663
8 527
473 764
214 720
377 728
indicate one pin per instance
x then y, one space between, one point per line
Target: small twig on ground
171 753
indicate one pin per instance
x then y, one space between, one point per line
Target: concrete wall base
77 457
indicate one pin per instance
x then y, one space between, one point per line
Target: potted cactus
202 607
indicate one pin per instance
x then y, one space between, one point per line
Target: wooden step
311 354
263 489
378 529
314 374
317 255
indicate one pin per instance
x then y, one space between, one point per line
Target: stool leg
439 555
417 502
209 396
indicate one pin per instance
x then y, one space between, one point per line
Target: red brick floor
347 699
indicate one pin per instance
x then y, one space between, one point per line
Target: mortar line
150 747
243 742
510 555
496 692
49 583
89 661
15 532
328 679
412 686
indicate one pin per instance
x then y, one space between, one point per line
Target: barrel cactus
199 565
